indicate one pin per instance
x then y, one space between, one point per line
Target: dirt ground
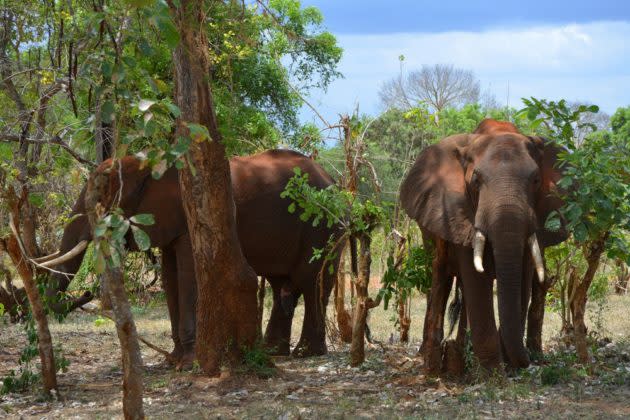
389 385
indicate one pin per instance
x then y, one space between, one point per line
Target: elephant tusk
537 256
46 257
479 243
67 256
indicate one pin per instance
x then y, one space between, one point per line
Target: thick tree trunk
362 305
226 284
44 339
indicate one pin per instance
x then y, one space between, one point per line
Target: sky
578 50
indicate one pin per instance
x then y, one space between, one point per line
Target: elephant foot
453 364
278 349
308 349
173 357
186 361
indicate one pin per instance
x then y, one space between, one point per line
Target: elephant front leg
169 283
278 332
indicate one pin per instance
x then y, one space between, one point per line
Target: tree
437 86
596 195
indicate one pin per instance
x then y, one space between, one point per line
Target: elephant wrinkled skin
483 200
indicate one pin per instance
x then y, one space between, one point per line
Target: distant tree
438 86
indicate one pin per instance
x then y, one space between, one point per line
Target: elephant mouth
479 243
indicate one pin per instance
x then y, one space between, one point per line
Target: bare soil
389 385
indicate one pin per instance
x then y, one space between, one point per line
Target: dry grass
389 385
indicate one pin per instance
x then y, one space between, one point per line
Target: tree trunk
261 307
404 320
579 296
536 315
344 321
226 284
362 305
623 278
44 339
112 286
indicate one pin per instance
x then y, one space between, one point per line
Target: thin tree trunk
44 339
404 320
344 320
261 307
112 286
578 301
362 305
226 284
623 278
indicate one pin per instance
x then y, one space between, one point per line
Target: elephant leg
187 300
535 318
169 283
278 332
313 338
480 312
433 333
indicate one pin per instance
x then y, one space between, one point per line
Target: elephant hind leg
169 283
186 300
313 338
278 332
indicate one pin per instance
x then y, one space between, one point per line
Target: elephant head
491 189
78 232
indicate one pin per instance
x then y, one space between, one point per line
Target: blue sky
578 50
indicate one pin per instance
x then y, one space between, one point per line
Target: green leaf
142 239
139 3
143 219
553 223
291 208
198 132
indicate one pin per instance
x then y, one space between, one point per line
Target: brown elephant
276 244
483 200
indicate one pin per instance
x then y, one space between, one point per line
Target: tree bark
362 305
623 278
44 339
344 320
579 296
112 285
226 284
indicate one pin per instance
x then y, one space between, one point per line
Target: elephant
482 200
277 244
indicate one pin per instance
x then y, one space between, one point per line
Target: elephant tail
454 310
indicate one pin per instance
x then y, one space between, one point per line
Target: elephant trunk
508 235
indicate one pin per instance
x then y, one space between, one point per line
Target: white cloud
589 62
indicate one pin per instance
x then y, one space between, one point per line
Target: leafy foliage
414 273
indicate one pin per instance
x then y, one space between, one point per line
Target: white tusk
67 256
46 257
537 256
479 243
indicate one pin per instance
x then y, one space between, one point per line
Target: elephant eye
475 179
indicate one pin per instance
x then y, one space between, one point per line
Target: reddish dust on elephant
482 199
277 244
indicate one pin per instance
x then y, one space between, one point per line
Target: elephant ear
434 191
548 199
